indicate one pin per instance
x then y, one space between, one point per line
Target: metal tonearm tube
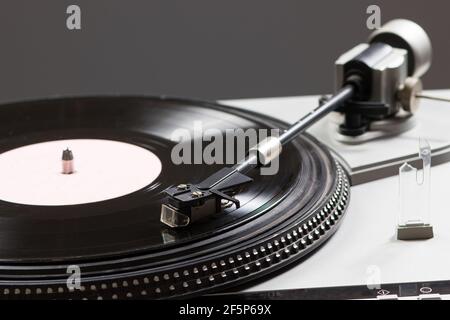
374 81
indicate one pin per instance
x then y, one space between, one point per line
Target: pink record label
103 170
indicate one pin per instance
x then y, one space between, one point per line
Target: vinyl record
120 245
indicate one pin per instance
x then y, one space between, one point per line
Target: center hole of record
102 170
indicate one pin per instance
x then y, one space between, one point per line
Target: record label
102 170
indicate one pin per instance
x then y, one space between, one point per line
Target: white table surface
366 240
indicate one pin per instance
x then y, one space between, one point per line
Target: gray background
195 48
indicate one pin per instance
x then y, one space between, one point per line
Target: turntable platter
121 247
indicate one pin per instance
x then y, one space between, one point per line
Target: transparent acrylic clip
414 219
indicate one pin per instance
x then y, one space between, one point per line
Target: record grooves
120 245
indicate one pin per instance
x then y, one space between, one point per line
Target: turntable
94 206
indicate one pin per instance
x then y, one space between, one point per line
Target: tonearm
374 81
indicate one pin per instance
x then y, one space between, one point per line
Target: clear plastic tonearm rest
414 219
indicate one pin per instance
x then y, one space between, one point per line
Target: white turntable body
365 249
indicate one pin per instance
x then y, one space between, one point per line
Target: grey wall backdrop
196 48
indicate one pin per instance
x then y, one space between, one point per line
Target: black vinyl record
121 247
